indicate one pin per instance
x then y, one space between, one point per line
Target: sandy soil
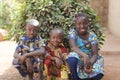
8 72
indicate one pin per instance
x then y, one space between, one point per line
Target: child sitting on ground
55 62
29 51
85 62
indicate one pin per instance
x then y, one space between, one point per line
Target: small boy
30 50
55 62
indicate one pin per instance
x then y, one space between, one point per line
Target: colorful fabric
84 45
26 45
51 68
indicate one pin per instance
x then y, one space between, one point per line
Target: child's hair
77 16
56 30
33 22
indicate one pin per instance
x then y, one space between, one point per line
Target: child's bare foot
26 78
40 75
30 76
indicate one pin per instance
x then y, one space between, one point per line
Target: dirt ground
112 66
8 72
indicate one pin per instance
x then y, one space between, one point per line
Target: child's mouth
82 30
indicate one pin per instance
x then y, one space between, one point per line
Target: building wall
101 8
114 17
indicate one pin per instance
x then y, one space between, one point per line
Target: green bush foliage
56 13
11 17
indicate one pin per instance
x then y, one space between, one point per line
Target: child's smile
82 25
55 39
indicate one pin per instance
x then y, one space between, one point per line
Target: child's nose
81 25
31 32
56 39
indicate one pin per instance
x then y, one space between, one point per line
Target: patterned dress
84 45
26 45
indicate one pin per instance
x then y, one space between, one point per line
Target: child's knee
15 61
72 60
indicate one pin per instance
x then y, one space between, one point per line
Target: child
29 50
55 62
85 62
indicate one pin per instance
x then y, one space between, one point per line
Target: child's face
82 25
31 31
56 39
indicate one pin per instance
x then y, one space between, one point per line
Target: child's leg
26 78
21 68
30 76
72 61
30 69
40 74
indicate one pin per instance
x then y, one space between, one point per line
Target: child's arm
94 48
16 54
21 58
51 57
88 67
75 48
64 52
40 52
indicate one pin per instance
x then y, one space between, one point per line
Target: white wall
114 17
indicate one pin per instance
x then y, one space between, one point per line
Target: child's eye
35 30
29 29
85 23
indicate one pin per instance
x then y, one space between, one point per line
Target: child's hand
87 68
58 62
29 65
87 62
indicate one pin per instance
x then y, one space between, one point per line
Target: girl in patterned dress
85 62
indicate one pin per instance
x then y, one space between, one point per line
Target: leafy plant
56 13
11 17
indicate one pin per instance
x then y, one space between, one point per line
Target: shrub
57 13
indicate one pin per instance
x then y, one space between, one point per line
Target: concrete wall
109 12
114 17
101 8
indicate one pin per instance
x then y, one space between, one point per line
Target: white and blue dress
84 45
